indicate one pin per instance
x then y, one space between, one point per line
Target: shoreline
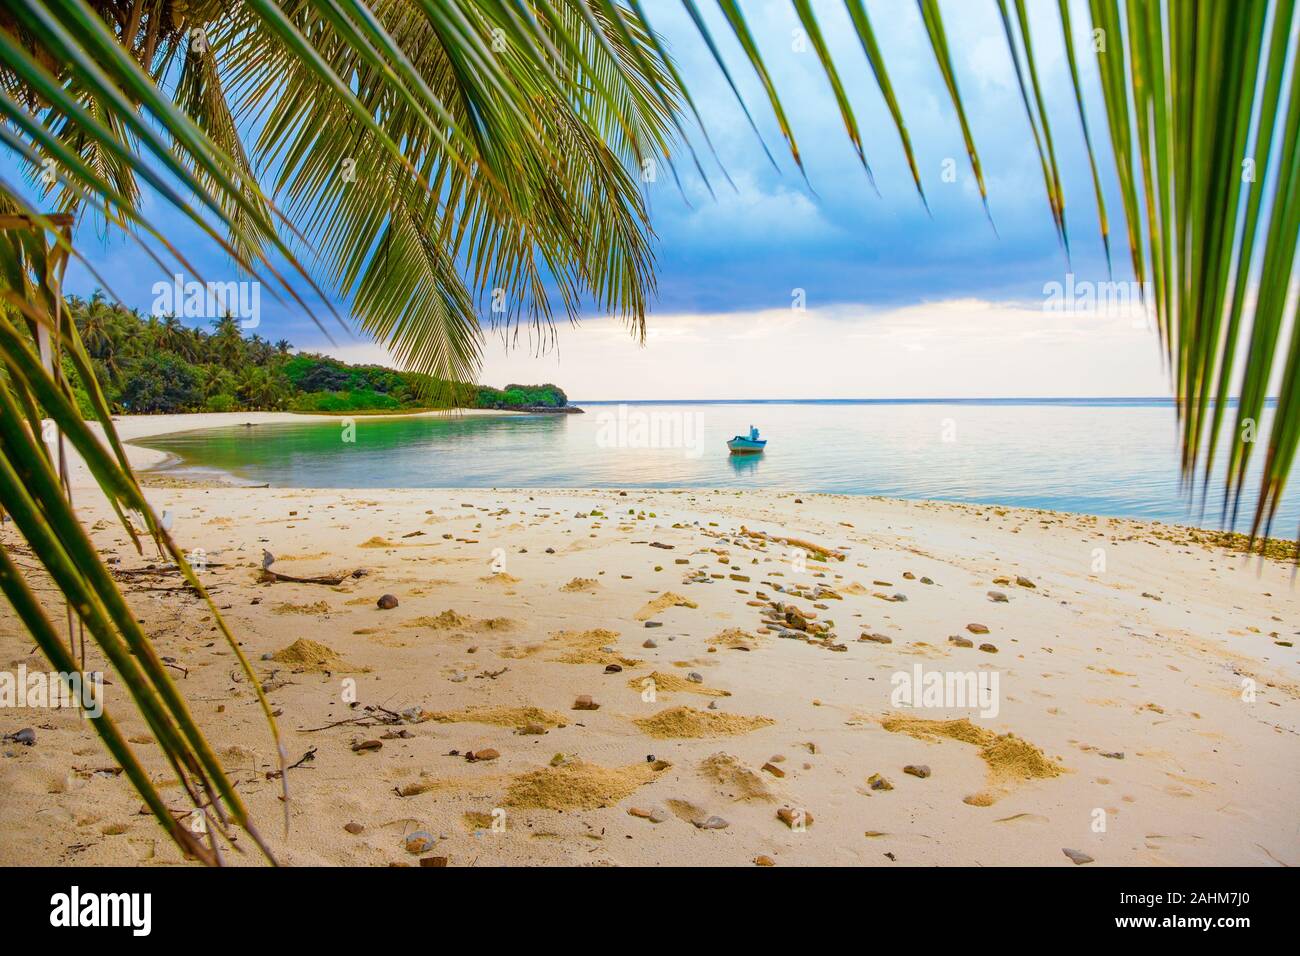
1123 682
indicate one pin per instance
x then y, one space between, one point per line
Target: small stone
26 737
439 861
961 641
988 648
794 819
533 729
654 623
997 597
876 638
1076 857
387 602
711 823
584 702
353 828
917 770
1115 755
764 861
695 677
420 842
613 668
649 642
474 756
877 782
927 581
977 628
366 746
1025 582
653 814
773 769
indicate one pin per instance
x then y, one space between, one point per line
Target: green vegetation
148 365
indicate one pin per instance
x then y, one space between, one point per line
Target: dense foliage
153 365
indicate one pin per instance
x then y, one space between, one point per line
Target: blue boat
749 444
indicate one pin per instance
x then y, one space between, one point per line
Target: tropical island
155 365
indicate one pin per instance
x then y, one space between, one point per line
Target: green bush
220 403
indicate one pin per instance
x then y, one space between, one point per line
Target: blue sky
876 270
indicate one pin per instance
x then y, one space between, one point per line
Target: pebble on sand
387 602
877 782
977 628
795 819
917 770
584 702
1076 857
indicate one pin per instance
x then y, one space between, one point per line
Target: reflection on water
1097 457
745 464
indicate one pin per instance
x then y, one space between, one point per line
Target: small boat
749 444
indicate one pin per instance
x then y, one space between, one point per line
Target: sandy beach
693 677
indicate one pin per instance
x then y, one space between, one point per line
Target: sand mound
854 588
500 578
672 684
1009 758
743 782
581 585
498 716
288 607
584 647
445 621
308 655
733 637
577 786
378 542
688 722
663 602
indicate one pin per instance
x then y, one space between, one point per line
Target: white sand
1087 664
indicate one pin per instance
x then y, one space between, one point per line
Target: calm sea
1096 456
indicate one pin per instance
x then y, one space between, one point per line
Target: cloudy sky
897 302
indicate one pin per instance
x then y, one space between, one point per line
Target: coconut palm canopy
428 162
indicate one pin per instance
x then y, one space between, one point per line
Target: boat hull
745 446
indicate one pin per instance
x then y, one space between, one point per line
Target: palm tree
447 150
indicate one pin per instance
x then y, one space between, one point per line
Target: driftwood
271 577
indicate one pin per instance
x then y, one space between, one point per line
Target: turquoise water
1106 457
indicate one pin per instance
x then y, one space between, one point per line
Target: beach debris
1114 755
267 576
367 746
387 602
584 702
773 769
654 623
1076 857
421 841
26 737
878 782
917 770
268 559
875 638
